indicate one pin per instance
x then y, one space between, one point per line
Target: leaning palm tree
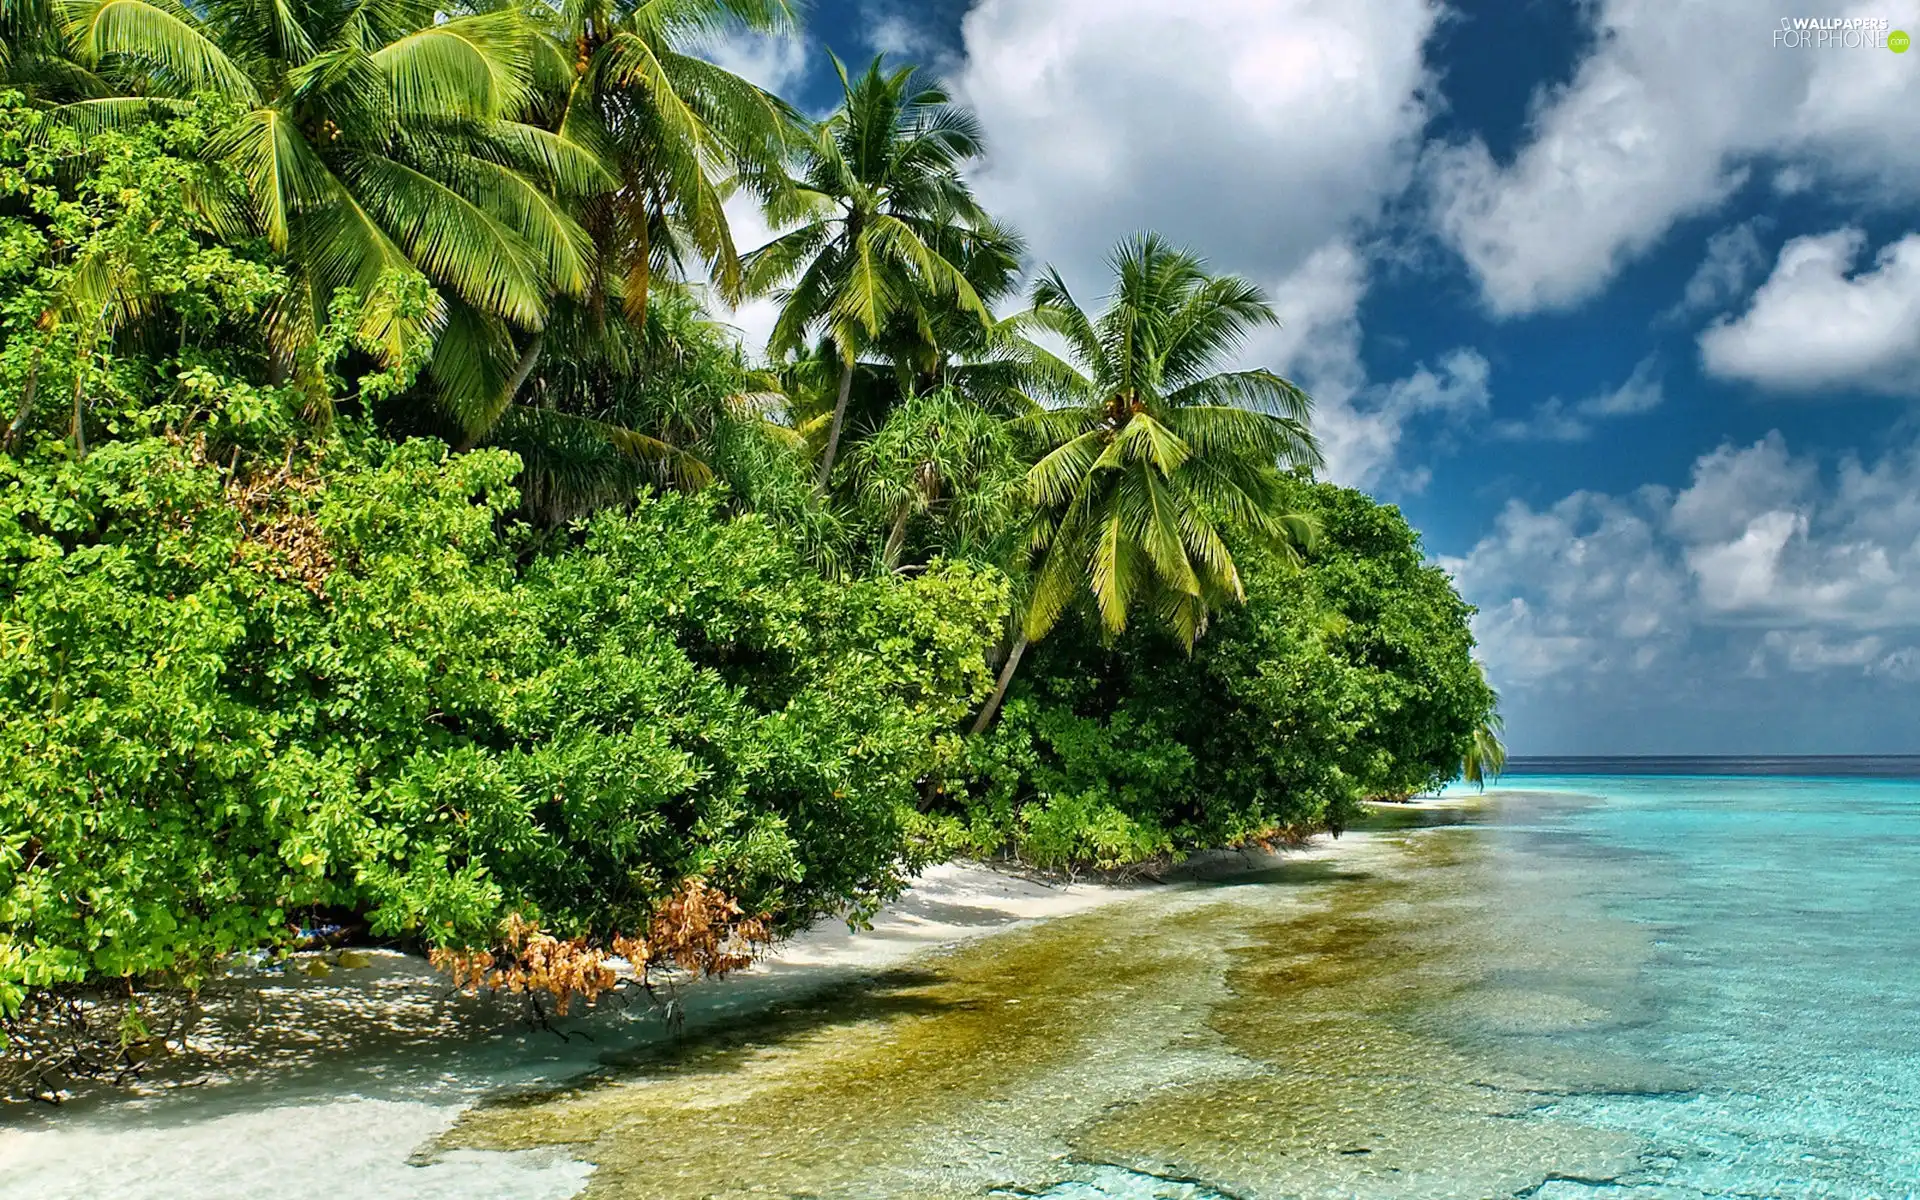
378 140
1486 754
1150 447
879 180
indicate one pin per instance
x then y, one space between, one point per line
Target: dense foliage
255 677
392 540
1344 678
234 703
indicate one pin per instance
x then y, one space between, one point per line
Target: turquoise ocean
1782 984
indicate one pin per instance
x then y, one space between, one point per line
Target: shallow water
1650 988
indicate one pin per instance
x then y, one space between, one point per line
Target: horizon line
1513 758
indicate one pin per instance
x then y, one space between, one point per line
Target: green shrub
230 705
261 668
1348 677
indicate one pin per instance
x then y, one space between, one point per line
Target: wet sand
1290 1032
346 1076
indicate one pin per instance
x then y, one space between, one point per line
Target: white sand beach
348 1075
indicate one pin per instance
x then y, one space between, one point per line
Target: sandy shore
346 1076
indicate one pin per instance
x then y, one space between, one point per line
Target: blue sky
1619 300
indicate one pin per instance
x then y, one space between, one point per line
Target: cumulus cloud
1555 420
901 29
1762 562
1361 430
1584 588
1808 650
1360 424
1273 162
1305 116
1732 484
1902 665
1648 132
1818 323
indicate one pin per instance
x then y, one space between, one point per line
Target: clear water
1785 977
1574 988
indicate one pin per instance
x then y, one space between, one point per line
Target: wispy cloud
1555 420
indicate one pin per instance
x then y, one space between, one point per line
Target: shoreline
396 992
363 1071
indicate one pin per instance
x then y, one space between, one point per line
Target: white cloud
1759 562
1584 588
776 62
1273 162
1318 304
1305 116
1817 323
1792 181
1360 425
1734 256
1663 120
1361 431
1902 665
899 30
1744 574
1554 420
1458 387
1807 651
1642 392
1733 484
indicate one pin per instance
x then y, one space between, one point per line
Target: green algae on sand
1371 1026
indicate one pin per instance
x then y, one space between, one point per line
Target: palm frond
570 166
161 36
472 360
1061 475
454 239
479 67
283 173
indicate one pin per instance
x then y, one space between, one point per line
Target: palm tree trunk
26 402
833 431
1007 669
79 415
897 537
529 358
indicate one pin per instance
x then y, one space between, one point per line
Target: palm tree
940 458
1151 446
1486 754
377 141
622 81
879 181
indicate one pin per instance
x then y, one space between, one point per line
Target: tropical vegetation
396 544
